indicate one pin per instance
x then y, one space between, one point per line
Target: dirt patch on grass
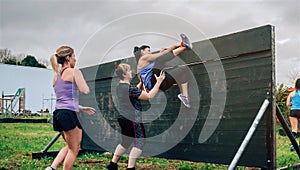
11 165
91 162
155 166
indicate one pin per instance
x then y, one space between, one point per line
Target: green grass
24 116
284 157
19 140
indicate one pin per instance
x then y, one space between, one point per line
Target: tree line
281 93
6 57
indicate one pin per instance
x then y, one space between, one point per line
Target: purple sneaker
185 100
186 41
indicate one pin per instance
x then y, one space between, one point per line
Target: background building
36 81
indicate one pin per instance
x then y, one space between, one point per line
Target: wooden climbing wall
232 75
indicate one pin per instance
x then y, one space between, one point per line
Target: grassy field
19 140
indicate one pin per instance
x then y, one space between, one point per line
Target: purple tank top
66 94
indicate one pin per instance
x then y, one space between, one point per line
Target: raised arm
147 96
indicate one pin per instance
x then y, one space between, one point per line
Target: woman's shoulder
123 86
292 93
67 74
146 66
72 71
69 69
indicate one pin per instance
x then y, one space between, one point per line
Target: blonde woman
130 118
67 83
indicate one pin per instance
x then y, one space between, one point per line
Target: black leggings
175 75
132 132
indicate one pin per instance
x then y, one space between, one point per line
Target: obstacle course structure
8 103
247 60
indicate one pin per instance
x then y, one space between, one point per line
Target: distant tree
294 75
30 60
281 94
45 62
5 54
11 61
6 57
19 58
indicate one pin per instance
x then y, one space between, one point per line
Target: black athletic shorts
295 113
132 132
131 129
64 120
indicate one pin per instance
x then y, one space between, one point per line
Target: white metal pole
249 135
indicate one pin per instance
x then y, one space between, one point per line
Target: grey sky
40 27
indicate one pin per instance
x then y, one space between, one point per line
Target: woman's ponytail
54 64
135 49
60 57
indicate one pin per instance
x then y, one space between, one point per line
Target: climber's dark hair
137 51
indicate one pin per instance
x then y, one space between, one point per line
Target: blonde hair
122 69
60 57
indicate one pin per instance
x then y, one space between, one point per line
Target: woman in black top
130 119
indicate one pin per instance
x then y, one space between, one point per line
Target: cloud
39 27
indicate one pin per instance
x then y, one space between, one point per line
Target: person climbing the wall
149 64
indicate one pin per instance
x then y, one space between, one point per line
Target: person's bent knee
74 148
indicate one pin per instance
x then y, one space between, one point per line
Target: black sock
294 134
298 134
113 163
